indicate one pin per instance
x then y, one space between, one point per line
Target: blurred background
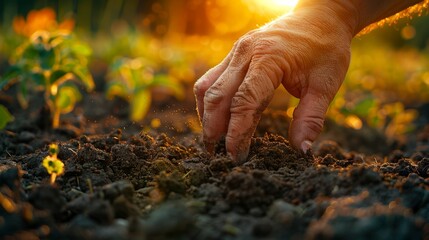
387 85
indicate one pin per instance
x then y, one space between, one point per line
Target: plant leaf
67 98
12 74
117 89
83 74
56 75
5 116
47 59
23 95
38 78
140 105
81 49
163 80
29 55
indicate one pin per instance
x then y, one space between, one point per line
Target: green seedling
51 62
5 116
133 80
52 164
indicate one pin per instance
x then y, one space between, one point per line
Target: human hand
308 52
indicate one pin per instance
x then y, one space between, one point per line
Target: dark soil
124 181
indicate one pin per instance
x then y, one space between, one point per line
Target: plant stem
53 178
56 118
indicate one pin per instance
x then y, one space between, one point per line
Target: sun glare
277 5
285 3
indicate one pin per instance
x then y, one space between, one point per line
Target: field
136 168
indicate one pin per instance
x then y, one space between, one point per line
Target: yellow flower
53 165
53 150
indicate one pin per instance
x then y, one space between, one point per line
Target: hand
308 52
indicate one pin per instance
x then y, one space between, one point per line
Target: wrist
331 15
340 13
358 14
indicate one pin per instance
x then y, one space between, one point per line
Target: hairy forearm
359 14
391 12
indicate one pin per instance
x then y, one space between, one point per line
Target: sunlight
289 3
277 5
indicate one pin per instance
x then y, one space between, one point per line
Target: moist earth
123 181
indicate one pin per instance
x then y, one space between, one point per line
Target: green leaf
363 107
30 54
163 80
23 95
5 116
117 64
117 89
47 59
83 74
140 105
12 75
67 98
56 75
81 49
39 79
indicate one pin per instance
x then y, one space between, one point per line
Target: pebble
283 211
23 148
26 137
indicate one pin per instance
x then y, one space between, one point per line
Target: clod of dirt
423 167
342 219
101 212
49 198
273 152
168 221
330 147
252 189
171 182
88 153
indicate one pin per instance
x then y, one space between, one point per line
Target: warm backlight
278 5
285 3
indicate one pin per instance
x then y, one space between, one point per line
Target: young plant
50 61
52 164
5 116
133 80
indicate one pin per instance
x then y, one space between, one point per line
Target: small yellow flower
53 150
53 165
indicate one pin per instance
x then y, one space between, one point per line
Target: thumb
308 119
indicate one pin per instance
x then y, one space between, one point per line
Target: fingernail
306 145
240 157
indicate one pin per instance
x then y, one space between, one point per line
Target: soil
129 181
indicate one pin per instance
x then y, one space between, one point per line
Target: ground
125 181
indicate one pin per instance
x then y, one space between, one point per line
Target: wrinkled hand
308 52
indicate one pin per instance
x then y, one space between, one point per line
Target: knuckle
213 96
243 101
262 46
200 89
315 124
244 44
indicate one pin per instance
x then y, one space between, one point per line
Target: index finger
253 96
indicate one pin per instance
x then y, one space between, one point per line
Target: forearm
370 11
359 14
